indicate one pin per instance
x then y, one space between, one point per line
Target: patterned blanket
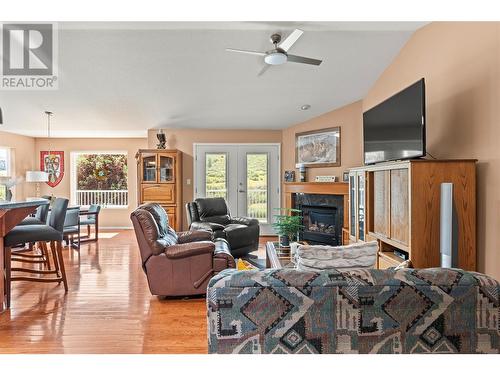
361 311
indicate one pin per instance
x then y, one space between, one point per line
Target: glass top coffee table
278 257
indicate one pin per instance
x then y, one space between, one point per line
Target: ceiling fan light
275 58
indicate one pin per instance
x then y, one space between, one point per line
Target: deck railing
256 201
105 198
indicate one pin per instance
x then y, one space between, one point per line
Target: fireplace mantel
335 188
290 189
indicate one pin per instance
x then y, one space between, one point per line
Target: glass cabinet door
361 206
149 168
352 204
166 168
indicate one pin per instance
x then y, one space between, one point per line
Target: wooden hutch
159 180
398 205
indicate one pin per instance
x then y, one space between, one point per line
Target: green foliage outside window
101 172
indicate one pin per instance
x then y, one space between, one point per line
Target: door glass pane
166 168
257 187
361 207
149 168
216 175
352 202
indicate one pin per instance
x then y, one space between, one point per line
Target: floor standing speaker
448 228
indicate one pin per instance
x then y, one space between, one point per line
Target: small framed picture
289 176
345 176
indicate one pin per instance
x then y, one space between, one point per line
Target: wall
183 140
460 63
23 159
111 217
350 120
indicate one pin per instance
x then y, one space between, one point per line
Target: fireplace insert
322 218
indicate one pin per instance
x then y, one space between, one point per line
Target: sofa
359 311
177 264
213 214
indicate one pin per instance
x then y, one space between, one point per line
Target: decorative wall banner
52 162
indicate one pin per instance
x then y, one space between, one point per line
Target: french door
246 175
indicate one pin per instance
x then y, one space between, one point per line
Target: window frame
73 176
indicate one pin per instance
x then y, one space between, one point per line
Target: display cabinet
159 175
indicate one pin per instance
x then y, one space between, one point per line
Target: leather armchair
213 214
177 264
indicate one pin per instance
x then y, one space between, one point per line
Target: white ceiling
120 79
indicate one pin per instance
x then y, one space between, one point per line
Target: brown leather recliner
177 264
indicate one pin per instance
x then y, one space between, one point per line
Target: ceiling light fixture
275 58
305 107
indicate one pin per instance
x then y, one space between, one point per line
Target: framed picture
345 176
52 162
318 148
289 176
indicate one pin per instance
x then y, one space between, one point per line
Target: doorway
246 175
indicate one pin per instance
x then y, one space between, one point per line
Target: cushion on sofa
322 257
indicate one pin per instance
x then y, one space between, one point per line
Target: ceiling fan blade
303 60
245 51
290 40
263 70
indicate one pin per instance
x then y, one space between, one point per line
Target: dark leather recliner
177 264
213 214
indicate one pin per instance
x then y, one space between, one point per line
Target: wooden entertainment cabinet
398 205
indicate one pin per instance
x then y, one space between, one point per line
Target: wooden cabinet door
158 193
171 217
381 203
166 168
149 168
400 206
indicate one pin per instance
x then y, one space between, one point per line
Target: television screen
395 128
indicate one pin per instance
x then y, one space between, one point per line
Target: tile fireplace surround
319 201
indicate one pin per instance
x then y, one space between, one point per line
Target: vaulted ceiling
120 79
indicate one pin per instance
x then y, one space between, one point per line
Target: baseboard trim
101 227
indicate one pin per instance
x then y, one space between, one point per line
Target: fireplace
322 218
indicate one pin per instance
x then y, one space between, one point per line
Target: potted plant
287 224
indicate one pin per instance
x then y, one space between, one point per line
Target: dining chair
72 227
91 218
50 233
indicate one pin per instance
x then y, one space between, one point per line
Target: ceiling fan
279 54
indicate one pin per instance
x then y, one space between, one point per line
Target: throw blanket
344 258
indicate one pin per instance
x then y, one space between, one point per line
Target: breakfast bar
11 214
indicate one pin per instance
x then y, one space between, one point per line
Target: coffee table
278 257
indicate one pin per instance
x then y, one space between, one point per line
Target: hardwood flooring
108 308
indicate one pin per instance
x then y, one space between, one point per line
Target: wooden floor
108 308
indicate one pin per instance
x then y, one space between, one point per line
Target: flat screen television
395 128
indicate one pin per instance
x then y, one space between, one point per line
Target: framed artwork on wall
52 162
318 148
289 176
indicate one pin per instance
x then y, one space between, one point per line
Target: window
4 170
99 178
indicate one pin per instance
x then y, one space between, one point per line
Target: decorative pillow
321 257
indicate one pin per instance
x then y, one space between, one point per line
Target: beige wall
183 140
23 159
350 120
111 217
460 63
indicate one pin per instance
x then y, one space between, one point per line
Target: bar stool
52 233
40 218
